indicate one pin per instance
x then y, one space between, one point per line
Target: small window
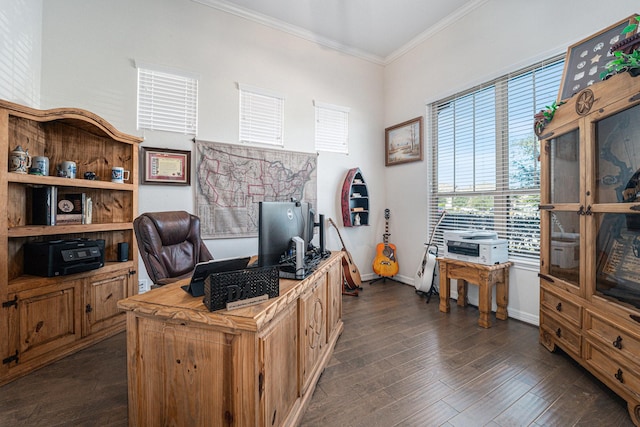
167 100
261 116
332 128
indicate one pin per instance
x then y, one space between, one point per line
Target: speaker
321 231
123 251
299 257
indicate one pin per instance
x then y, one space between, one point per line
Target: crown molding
290 29
294 30
441 25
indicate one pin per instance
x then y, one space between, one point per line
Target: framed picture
164 166
403 142
588 58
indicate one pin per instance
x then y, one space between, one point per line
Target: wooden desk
485 276
253 366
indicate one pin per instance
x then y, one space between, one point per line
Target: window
332 128
485 166
261 116
167 100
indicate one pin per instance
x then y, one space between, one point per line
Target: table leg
445 291
502 294
484 303
463 299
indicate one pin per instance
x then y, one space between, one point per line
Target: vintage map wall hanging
232 179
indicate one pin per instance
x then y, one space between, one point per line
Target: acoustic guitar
351 272
385 263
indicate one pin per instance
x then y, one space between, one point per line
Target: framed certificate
164 166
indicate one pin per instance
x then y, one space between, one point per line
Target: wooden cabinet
45 318
334 310
355 199
313 328
43 321
102 292
279 358
590 234
252 366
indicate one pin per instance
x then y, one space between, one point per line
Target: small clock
65 206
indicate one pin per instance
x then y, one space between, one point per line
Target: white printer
479 246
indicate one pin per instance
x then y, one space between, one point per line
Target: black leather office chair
170 244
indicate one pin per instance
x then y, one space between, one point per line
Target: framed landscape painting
403 142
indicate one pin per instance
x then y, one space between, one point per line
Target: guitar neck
433 232
385 236
338 231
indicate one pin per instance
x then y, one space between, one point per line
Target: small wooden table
485 276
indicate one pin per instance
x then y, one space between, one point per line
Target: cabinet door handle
580 210
618 376
618 343
559 333
559 306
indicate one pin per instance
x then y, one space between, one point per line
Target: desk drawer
560 332
561 307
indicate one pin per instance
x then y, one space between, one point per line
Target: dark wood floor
399 362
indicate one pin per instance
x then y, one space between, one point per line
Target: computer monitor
309 215
278 223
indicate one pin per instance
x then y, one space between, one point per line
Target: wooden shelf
27 282
354 183
52 230
51 317
66 182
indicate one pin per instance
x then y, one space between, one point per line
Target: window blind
485 170
332 128
167 100
261 116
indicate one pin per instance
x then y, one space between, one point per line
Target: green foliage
472 204
631 27
550 110
545 116
622 62
524 171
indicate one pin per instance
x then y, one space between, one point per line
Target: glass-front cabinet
617 197
590 236
564 198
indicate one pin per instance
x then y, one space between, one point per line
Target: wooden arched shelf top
75 117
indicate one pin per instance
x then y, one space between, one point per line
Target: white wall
496 38
20 51
89 49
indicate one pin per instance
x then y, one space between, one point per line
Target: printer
479 246
62 257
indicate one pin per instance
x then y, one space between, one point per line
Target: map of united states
232 179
